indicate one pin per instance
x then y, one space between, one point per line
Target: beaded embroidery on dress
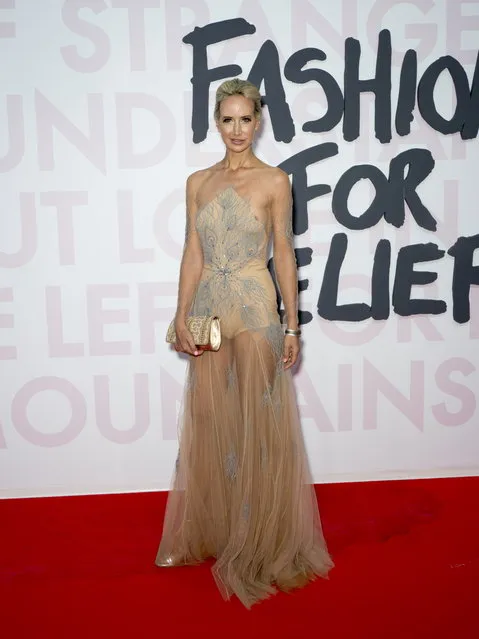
242 492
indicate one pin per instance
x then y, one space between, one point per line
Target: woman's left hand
291 351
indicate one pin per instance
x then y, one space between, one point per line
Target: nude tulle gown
242 492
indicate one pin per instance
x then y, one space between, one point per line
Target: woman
241 492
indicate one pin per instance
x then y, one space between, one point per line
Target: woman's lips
237 141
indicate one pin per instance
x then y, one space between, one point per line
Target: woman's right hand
184 340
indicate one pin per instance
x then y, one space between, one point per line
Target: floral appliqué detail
232 239
231 465
231 378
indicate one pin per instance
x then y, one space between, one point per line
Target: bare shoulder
275 177
194 183
278 182
199 178
196 179
280 179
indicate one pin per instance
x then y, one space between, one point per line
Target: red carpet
406 554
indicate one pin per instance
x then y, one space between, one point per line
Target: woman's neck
234 161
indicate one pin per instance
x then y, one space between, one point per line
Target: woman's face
237 123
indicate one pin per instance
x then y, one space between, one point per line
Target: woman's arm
285 261
190 270
284 258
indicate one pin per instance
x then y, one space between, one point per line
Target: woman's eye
247 119
226 119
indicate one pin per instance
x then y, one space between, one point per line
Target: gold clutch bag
206 331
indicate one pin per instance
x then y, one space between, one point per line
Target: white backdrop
95 146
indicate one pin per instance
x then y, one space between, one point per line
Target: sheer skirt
242 491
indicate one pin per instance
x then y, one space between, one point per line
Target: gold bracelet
292 331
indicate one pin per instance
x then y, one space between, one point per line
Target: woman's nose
237 127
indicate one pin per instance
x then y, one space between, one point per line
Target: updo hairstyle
238 87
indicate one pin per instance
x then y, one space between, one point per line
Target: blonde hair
238 87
